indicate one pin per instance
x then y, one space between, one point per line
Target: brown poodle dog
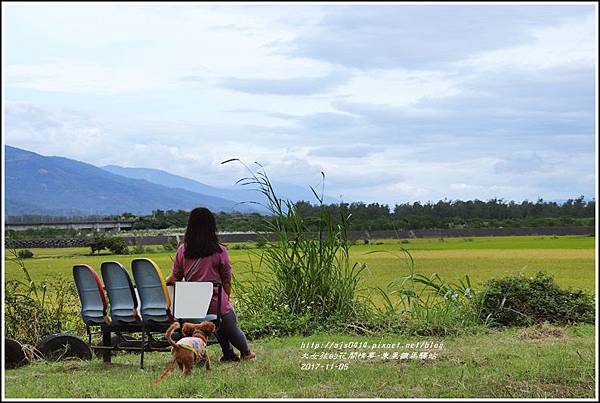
191 349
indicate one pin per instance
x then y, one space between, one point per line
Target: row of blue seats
147 301
141 307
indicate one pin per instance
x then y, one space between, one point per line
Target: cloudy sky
394 102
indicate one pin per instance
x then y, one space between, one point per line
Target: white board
191 299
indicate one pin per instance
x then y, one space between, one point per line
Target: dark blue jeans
229 334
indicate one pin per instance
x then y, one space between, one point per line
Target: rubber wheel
60 346
14 355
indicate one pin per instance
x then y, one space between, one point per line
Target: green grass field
508 363
571 259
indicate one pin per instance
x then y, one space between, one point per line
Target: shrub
25 254
405 241
170 246
98 243
116 244
521 301
245 245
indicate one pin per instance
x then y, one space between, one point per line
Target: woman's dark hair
201 234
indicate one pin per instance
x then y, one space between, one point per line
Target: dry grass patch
542 331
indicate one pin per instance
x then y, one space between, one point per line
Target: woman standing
202 258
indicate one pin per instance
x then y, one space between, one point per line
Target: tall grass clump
304 280
37 309
424 305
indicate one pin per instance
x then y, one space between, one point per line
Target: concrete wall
95 225
353 235
48 243
473 232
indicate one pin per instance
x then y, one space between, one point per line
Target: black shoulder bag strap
192 270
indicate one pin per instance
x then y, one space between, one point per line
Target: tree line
492 213
442 214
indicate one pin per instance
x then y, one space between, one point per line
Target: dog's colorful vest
195 344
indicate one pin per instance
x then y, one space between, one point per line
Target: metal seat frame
146 329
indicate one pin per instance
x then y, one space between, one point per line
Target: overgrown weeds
422 305
34 310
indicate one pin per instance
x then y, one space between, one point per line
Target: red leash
165 373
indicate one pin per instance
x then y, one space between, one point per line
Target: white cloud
72 76
570 44
123 48
452 102
398 87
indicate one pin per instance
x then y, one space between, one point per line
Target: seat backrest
171 290
192 299
121 293
155 302
91 295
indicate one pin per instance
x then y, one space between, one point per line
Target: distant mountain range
239 193
37 184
